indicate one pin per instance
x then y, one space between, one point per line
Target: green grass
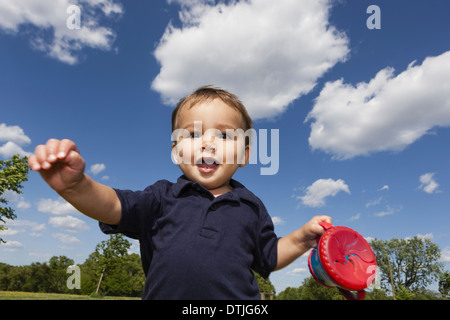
17 295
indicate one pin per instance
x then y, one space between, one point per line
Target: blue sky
363 114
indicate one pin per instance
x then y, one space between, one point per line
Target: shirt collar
239 190
180 185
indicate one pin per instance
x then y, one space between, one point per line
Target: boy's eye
195 135
226 136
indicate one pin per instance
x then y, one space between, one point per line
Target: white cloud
11 246
135 247
374 202
68 224
40 255
297 271
31 228
97 168
386 212
385 187
23 205
355 217
190 3
58 207
322 188
14 134
387 114
14 139
10 148
34 226
445 255
17 199
425 236
8 232
277 221
65 238
428 183
421 236
267 53
49 20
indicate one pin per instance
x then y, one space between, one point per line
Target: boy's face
210 144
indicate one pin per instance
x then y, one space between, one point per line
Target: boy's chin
209 181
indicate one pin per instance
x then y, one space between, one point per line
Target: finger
324 219
41 156
316 227
75 161
66 146
34 163
52 148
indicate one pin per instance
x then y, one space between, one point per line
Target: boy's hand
298 242
59 163
312 230
61 166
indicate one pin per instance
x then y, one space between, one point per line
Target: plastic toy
343 259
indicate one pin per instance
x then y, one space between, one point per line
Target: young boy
201 237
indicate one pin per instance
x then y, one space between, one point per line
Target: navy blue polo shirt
197 246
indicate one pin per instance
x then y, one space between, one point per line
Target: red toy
343 259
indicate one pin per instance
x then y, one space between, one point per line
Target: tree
108 252
58 268
13 173
413 263
289 294
444 284
265 286
37 280
13 278
310 290
125 278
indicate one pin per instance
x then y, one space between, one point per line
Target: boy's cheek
183 152
239 150
185 155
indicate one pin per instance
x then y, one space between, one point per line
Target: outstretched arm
298 242
62 167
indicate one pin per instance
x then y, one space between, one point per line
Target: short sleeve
266 248
139 209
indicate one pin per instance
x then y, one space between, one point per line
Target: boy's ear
175 158
248 152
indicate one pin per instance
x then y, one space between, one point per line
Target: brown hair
208 93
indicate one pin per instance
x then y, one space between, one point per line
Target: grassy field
16 295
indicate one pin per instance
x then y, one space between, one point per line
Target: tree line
406 267
109 270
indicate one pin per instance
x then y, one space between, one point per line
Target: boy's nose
210 149
208 143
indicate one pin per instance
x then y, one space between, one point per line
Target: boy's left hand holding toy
298 242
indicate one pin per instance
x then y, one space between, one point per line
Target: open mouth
207 165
